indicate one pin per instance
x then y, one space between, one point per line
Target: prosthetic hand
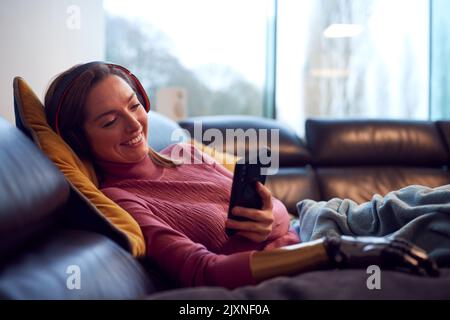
359 252
341 252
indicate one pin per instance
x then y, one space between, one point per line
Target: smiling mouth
136 140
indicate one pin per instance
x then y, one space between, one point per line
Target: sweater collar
145 169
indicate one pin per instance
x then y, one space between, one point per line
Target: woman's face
116 122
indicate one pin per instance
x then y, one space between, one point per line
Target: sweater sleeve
185 261
281 219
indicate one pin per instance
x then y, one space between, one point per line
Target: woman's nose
132 123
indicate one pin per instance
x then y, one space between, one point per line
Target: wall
41 38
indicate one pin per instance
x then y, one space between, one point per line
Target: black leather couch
347 158
49 236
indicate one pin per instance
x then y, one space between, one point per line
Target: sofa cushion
26 207
291 185
73 264
326 285
361 183
30 117
375 142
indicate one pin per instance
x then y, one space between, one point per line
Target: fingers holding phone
250 207
255 230
266 196
256 224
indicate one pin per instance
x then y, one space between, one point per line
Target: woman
100 110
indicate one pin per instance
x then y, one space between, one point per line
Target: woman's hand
396 253
260 226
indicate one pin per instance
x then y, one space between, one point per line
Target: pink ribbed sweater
182 213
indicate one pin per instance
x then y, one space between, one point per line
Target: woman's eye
109 123
135 106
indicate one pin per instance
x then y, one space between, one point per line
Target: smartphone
243 189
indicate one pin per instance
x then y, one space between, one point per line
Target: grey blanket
416 213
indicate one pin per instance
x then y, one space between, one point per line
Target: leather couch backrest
375 142
346 158
356 159
290 148
293 180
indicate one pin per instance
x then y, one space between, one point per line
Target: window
301 58
440 67
352 58
198 57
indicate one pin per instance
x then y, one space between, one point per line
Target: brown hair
72 115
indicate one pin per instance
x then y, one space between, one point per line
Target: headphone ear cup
143 100
140 91
143 97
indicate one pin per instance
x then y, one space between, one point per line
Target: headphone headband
68 80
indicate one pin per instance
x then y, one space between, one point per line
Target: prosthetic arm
342 252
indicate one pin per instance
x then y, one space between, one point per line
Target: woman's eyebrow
114 111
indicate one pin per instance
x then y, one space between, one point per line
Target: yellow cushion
80 175
226 159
